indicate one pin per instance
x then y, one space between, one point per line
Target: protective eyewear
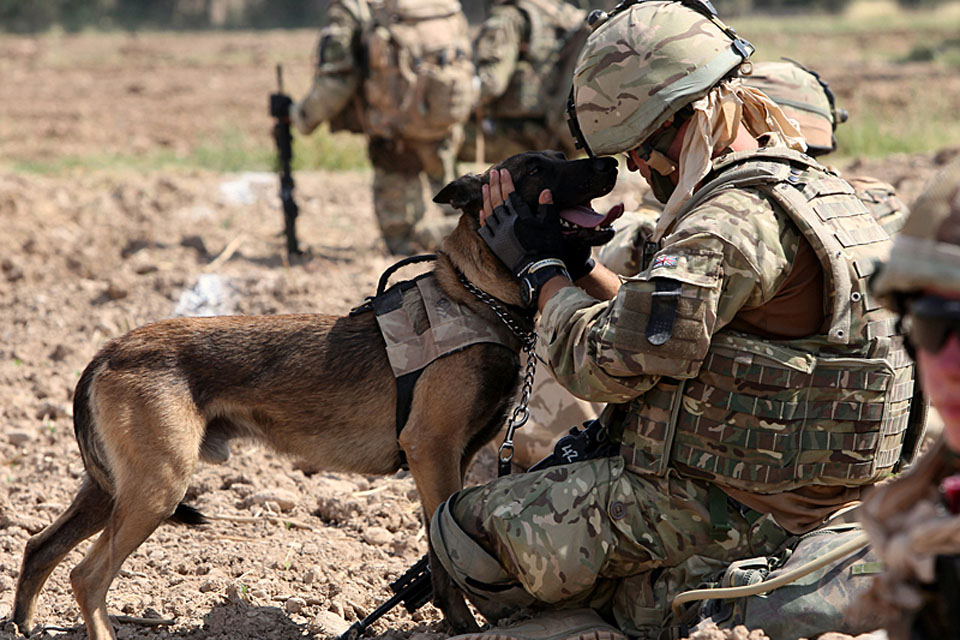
932 320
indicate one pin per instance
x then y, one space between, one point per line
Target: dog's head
573 183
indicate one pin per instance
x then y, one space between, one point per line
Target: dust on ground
86 256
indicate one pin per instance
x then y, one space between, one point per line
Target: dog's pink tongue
590 219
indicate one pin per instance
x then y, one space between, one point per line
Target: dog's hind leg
135 516
152 449
85 516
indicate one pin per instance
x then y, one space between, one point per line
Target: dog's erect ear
463 193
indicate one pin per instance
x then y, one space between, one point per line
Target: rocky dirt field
87 255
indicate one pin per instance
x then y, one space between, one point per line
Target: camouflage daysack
419 81
809 606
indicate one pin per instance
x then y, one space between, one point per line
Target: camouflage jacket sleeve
732 252
337 71
497 50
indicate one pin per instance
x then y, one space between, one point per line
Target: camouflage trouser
399 170
591 534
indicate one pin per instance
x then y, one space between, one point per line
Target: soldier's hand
529 244
515 234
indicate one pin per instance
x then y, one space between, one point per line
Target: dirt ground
88 255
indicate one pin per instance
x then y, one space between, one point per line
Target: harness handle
396 266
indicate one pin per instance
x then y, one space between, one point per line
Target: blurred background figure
914 520
398 71
524 52
524 55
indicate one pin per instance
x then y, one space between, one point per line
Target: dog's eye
534 171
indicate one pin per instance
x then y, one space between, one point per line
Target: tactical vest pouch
809 606
769 418
419 82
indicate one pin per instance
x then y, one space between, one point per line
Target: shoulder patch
665 262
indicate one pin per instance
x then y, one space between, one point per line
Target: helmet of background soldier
643 64
803 96
926 253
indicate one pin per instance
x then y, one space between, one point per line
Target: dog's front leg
438 431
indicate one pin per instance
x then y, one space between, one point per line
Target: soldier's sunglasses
932 320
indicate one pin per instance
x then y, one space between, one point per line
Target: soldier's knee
479 574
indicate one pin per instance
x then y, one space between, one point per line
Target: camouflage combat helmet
803 96
926 253
644 63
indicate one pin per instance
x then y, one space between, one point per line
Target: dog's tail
85 429
185 514
84 425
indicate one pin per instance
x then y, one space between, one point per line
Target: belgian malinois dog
155 402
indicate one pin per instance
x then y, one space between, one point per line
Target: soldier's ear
463 193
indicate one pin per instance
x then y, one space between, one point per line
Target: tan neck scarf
714 126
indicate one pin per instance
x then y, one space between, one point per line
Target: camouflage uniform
704 413
403 166
524 55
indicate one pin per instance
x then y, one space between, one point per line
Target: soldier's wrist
534 276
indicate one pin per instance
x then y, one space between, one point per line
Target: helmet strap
579 139
660 163
662 187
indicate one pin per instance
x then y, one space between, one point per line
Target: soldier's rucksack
419 81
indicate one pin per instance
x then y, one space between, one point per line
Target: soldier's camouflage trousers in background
399 169
638 541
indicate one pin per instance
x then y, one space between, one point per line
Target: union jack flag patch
665 262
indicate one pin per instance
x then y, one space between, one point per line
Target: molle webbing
769 416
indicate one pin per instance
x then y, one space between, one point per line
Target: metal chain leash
521 413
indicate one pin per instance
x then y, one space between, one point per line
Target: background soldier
914 521
524 55
400 72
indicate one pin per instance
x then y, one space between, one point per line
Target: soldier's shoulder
746 221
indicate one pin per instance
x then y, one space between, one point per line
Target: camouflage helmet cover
926 253
802 96
643 65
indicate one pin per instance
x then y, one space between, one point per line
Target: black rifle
280 110
414 589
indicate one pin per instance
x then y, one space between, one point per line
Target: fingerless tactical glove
530 245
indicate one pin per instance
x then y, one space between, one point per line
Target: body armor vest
772 415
